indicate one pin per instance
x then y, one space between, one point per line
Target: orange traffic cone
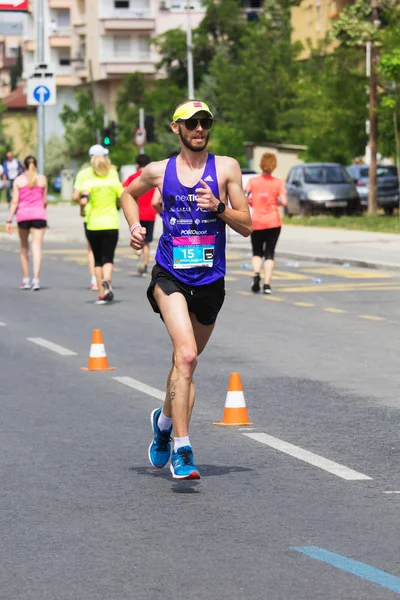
235 411
97 355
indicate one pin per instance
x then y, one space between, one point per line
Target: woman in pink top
29 202
265 194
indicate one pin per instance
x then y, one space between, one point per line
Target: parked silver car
321 187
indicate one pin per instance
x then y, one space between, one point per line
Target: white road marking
393 492
141 387
2 324
50 346
308 457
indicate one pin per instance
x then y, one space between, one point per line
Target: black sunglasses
192 124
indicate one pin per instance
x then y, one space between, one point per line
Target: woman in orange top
265 193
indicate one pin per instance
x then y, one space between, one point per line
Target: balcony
60 38
81 71
108 25
117 67
65 80
60 4
79 25
112 19
29 45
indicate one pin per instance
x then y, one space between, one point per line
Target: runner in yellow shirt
102 191
82 175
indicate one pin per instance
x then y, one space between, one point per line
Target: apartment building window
64 57
144 47
121 4
121 46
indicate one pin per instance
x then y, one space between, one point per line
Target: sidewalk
359 248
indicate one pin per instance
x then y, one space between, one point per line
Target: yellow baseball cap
187 110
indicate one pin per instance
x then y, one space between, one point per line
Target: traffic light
110 134
106 136
114 132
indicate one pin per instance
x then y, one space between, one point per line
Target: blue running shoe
160 447
182 464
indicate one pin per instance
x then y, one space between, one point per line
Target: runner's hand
138 237
9 227
205 197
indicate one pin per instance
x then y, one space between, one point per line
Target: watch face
221 208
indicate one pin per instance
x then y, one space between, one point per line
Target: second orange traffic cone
235 411
97 355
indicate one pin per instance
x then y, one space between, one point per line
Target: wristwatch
221 208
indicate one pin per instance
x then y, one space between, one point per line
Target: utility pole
40 109
189 50
373 118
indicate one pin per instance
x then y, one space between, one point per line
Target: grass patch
379 223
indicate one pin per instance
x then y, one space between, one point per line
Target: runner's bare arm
150 177
237 216
13 205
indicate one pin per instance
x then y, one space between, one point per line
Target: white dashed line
50 346
141 387
308 457
2 324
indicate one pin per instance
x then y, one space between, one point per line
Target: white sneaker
108 291
35 285
25 284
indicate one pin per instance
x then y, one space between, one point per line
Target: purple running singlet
192 245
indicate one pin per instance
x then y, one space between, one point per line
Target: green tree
328 121
56 156
16 70
6 143
82 124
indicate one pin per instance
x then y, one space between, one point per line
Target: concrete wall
287 157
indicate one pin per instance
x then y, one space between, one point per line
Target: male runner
187 286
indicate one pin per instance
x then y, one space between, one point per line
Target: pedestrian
265 194
29 201
12 167
86 172
187 285
147 213
102 191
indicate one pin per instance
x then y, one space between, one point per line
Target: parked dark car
314 188
387 185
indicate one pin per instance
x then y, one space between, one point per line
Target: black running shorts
264 241
103 244
204 301
33 224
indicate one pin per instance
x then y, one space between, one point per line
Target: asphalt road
283 508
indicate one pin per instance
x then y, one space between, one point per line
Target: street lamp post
40 108
373 117
189 50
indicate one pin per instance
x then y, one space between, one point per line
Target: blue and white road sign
41 89
41 93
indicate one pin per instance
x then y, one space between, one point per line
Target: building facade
10 42
312 20
97 42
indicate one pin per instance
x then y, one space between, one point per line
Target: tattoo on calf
172 390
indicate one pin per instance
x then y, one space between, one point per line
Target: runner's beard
186 141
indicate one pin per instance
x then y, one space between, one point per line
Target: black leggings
103 244
264 242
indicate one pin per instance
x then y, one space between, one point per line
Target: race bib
193 251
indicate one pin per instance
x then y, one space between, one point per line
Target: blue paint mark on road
351 566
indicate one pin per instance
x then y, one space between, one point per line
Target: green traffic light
106 140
